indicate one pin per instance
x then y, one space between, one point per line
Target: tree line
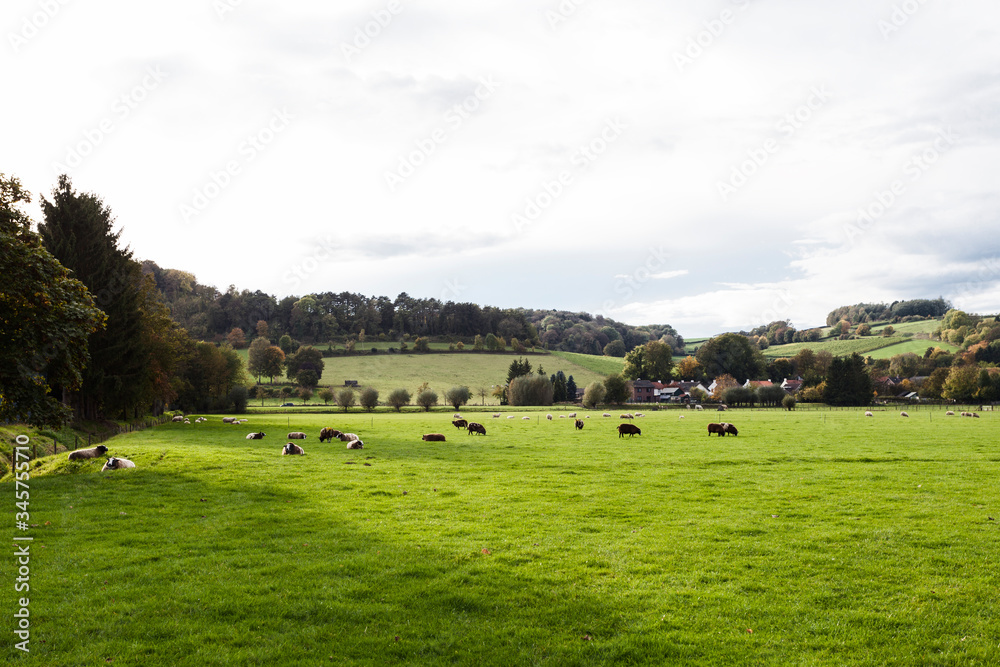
209 314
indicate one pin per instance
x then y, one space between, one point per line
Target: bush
457 396
530 390
398 398
593 395
346 398
238 397
426 399
369 398
788 402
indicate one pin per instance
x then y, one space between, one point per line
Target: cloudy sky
711 165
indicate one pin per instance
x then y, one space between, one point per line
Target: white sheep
115 463
549 417
869 414
903 414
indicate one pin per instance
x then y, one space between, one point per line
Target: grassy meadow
813 538
442 371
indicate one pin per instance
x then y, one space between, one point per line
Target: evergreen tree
46 318
571 389
78 232
559 387
848 382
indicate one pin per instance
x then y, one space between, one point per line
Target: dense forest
211 315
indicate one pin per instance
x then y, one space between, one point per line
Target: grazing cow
579 424
460 423
475 427
92 453
256 436
296 435
355 444
717 428
291 449
903 414
729 428
869 414
630 429
117 464
433 437
328 434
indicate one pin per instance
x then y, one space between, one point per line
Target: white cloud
785 231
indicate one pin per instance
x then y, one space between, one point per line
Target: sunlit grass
811 538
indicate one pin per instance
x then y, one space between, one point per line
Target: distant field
386 372
917 347
838 348
812 538
602 366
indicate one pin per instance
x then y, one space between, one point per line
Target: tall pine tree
78 232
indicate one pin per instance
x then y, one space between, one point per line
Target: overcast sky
710 165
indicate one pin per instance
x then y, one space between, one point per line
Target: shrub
788 402
398 398
346 398
593 394
457 396
529 390
369 398
426 399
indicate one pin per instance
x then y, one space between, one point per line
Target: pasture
442 371
812 538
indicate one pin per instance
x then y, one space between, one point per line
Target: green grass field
917 347
812 538
386 372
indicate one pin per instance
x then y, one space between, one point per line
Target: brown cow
716 428
433 437
631 429
475 427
